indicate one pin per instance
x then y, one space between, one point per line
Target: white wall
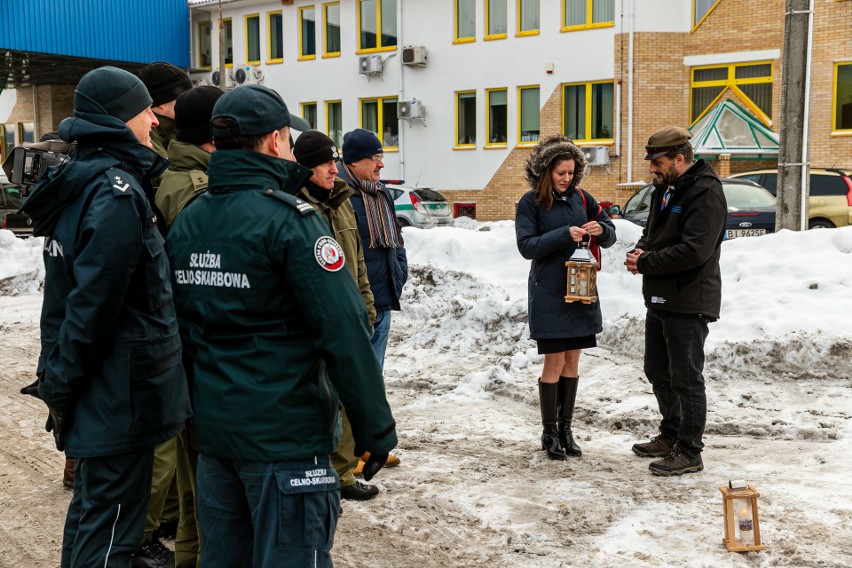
427 150
7 103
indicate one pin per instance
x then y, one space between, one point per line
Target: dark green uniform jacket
185 179
111 355
162 134
682 243
276 322
339 215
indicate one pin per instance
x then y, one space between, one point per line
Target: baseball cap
257 110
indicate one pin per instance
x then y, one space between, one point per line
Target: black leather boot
567 396
547 393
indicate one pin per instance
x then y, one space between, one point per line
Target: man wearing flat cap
678 257
110 367
277 329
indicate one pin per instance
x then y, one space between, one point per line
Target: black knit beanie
164 81
193 111
314 148
110 91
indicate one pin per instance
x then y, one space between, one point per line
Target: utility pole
792 184
222 69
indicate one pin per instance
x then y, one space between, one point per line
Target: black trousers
107 513
674 361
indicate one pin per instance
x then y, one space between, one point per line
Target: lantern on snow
739 508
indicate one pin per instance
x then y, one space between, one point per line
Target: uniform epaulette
303 207
119 180
199 180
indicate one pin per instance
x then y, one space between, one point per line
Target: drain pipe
401 97
806 168
630 92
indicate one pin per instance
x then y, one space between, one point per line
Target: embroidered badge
328 253
118 184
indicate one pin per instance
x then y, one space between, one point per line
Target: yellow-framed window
26 132
334 121
842 104
588 112
307 33
229 42
700 10
587 14
529 115
5 145
275 36
464 21
465 119
331 25
497 117
379 116
751 82
309 113
377 29
204 57
496 19
252 22
529 17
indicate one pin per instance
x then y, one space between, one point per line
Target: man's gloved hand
31 389
373 464
56 424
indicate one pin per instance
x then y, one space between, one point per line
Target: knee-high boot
547 393
567 396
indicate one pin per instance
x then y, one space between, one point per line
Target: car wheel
403 222
820 224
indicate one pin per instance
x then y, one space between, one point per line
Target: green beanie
111 91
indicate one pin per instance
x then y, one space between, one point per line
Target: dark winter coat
543 237
276 323
387 268
111 355
682 244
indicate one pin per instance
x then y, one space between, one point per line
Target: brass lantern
582 276
739 508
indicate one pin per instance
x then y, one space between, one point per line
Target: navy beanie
164 81
193 111
359 144
111 91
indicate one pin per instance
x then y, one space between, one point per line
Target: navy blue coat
387 268
543 237
110 349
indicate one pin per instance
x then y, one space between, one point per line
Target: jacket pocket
308 502
158 387
156 271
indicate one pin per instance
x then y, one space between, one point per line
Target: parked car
830 199
420 207
751 208
11 200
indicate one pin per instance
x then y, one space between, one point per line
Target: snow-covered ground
474 489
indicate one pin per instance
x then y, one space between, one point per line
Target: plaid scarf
381 219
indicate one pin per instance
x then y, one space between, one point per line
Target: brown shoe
68 473
393 461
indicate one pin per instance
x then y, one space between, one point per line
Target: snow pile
21 265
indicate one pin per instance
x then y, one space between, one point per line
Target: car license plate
734 233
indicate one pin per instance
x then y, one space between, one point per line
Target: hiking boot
153 554
658 447
676 463
393 461
359 491
167 530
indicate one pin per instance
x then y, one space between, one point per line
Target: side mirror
614 211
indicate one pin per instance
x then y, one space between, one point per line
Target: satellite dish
215 78
240 76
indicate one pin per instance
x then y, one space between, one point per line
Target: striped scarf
381 219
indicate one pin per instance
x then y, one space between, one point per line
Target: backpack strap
586 206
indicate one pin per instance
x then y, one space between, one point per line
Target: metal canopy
21 69
728 128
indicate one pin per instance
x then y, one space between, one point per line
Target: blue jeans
260 515
381 331
674 361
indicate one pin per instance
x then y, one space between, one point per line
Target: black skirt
561 344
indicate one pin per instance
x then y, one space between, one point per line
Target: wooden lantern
582 276
739 508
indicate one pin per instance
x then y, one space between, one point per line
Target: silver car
420 207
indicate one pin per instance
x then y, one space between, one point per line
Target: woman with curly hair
551 219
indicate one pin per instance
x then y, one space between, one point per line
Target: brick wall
54 102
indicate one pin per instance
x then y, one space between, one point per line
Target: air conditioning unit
596 155
257 74
227 83
410 110
370 65
242 74
414 55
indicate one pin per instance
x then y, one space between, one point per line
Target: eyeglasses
377 158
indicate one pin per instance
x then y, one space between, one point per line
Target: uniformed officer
110 365
278 329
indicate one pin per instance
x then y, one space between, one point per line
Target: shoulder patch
300 205
329 254
198 179
119 181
